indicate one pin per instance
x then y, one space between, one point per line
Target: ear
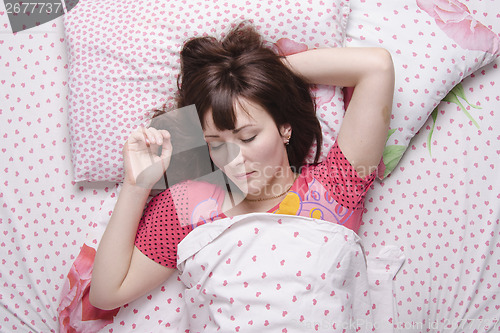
286 131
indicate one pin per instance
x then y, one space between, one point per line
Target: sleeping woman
258 120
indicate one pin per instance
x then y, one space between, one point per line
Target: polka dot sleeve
159 230
341 180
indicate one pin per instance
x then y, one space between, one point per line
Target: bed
433 214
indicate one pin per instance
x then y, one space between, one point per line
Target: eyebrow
235 131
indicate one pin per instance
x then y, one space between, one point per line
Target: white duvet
278 273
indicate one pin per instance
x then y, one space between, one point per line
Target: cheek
224 155
219 158
269 150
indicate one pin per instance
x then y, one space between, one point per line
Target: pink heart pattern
124 61
329 276
441 210
428 62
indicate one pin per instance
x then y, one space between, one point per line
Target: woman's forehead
246 113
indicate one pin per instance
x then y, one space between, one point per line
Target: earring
287 141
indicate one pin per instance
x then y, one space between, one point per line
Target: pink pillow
434 44
123 58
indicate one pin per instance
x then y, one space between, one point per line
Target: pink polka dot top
331 190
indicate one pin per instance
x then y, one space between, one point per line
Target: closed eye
249 139
215 146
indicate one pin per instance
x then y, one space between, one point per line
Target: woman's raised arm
121 272
370 71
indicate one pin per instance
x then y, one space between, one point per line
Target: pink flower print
285 47
76 314
455 19
323 94
206 211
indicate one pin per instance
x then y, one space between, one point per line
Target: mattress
440 206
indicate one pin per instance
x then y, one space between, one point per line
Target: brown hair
215 74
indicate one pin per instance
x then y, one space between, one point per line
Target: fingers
149 136
145 136
166 148
144 164
154 136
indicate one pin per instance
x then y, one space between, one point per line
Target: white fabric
275 273
441 209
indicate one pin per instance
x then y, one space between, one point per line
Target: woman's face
253 155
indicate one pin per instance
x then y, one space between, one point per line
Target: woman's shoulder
182 187
189 201
188 190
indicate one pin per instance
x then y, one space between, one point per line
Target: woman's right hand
144 163
121 272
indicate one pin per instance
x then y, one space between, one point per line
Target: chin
248 189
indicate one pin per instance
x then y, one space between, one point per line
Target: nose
234 155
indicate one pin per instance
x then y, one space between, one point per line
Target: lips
244 175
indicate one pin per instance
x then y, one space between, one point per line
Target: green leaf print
453 96
392 154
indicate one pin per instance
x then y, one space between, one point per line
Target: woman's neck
238 203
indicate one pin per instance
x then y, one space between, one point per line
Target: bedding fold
276 273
